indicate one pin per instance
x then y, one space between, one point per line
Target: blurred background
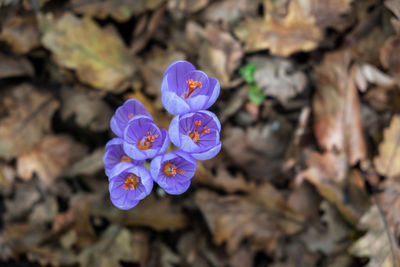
309 171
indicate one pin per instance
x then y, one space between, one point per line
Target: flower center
130 116
193 85
145 142
195 135
171 169
125 159
131 181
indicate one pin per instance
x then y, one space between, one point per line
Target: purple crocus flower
115 155
143 139
173 171
185 89
196 133
128 185
124 113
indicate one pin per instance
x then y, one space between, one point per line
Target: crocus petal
155 166
196 76
214 88
120 197
178 69
124 204
113 142
197 102
215 121
177 188
132 151
173 131
187 144
207 154
165 145
174 104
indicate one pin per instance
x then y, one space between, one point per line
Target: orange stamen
195 135
145 142
125 159
171 169
193 85
131 181
130 116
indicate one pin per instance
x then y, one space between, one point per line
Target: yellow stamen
125 159
130 116
193 85
195 135
145 142
131 181
171 169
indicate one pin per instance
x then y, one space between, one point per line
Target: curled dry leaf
233 218
120 10
21 33
328 172
99 56
278 77
115 244
28 120
386 162
283 36
219 54
89 109
375 244
14 67
49 158
337 118
390 56
258 150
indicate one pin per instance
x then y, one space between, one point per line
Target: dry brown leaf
328 173
99 56
283 36
259 150
49 158
278 77
337 118
52 256
114 245
390 56
386 162
180 8
29 117
223 179
219 54
375 243
14 67
88 165
89 109
120 10
233 218
332 239
21 33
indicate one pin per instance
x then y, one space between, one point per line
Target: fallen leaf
180 8
389 56
21 33
114 245
14 67
89 109
49 158
233 218
295 32
88 165
278 77
375 244
259 150
219 54
328 173
28 119
99 56
389 152
337 118
22 202
120 10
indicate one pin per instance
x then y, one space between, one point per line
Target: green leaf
256 95
247 72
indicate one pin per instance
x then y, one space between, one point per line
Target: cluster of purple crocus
186 93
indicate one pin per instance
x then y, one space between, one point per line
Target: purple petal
114 142
197 102
196 76
177 188
207 154
155 166
214 90
187 144
179 69
119 121
173 103
165 144
211 120
173 131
